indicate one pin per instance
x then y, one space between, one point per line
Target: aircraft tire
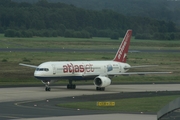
68 86
47 89
100 88
103 89
71 86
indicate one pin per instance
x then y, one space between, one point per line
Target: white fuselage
77 70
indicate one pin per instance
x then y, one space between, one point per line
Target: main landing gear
100 88
70 85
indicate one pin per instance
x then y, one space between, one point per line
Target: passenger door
54 69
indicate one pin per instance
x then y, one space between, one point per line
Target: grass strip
145 104
12 73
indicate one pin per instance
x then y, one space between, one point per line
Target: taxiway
34 103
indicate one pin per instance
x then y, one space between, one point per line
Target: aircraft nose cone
37 74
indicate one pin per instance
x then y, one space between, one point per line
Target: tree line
157 9
58 19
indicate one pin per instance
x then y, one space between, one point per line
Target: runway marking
8 116
36 94
31 107
14 116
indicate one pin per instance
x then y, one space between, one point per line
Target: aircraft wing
127 73
32 66
139 73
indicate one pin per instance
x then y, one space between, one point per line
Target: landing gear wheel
47 83
100 88
68 86
71 86
47 89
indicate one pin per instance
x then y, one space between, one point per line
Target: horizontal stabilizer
141 66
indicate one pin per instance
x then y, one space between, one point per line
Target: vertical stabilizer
123 48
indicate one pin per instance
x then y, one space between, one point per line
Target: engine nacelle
102 81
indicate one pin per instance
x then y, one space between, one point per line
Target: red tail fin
123 48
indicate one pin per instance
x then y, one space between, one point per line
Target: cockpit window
42 69
46 69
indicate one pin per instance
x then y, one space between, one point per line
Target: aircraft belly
66 77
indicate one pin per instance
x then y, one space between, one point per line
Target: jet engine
102 81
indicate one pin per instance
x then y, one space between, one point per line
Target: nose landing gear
47 83
47 88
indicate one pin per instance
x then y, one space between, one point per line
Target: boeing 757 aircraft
100 71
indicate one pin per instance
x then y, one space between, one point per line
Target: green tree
114 36
10 33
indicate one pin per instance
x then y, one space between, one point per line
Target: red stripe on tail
123 48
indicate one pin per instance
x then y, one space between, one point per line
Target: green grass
145 104
10 71
2 36
94 43
13 74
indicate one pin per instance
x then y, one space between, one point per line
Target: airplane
100 71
